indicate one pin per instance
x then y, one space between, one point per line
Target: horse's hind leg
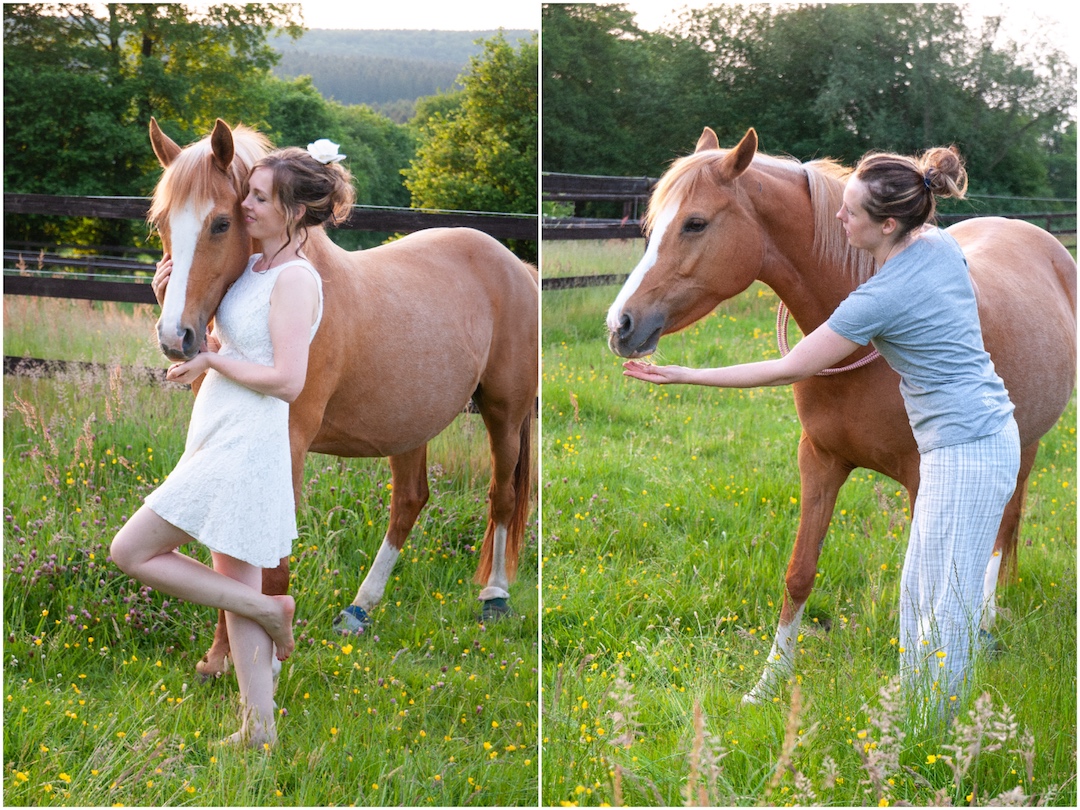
408 495
508 503
821 477
1003 560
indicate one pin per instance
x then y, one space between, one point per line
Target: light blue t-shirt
919 311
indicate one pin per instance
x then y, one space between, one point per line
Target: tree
814 79
480 153
81 84
594 69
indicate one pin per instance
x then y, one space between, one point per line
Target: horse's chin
174 356
631 351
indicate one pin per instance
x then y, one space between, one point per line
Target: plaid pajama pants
963 490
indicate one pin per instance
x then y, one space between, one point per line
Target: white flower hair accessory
325 151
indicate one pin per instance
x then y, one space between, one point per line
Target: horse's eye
694 225
219 226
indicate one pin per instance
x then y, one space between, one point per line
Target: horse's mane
188 178
825 177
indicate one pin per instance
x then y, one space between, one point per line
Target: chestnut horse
411 331
721 219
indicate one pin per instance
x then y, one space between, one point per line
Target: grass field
101 702
668 517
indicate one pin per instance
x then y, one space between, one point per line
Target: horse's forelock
190 178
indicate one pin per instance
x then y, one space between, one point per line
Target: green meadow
669 514
102 705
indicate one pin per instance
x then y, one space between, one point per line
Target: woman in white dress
232 488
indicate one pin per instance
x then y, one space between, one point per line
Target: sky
439 15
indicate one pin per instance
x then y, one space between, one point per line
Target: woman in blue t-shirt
919 310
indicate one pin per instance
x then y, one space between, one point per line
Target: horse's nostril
626 325
188 344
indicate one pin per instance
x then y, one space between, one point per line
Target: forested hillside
387 70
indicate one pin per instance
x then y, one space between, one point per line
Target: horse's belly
400 416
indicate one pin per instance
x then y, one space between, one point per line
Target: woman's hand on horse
661 375
161 278
189 371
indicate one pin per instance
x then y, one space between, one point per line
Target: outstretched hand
660 375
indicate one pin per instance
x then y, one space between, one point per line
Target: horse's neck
811 288
321 251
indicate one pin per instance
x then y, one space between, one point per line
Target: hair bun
943 172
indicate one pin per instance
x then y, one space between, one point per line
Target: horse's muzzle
181 343
636 339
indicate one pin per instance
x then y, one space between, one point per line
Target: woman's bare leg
146 549
251 649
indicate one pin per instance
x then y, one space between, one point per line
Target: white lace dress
232 488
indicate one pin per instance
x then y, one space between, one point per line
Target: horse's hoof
352 620
495 608
208 671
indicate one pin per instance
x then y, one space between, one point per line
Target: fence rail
363 217
634 193
39 282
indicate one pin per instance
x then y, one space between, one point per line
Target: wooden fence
18 259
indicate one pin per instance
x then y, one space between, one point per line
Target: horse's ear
738 159
221 143
708 140
165 148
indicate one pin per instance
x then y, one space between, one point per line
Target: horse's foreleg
821 477
1003 560
216 660
409 493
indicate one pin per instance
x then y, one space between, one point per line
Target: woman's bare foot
256 739
280 629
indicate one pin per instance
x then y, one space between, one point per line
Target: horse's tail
519 518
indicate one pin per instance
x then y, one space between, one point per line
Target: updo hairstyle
324 190
906 188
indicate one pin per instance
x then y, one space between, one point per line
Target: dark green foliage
815 80
81 84
477 148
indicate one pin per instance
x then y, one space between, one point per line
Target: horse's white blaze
185 226
374 584
781 660
647 261
989 591
498 582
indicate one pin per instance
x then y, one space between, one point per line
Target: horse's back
1026 285
410 329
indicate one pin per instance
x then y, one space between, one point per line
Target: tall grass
91 331
668 517
101 702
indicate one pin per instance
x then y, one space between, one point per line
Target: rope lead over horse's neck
782 316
